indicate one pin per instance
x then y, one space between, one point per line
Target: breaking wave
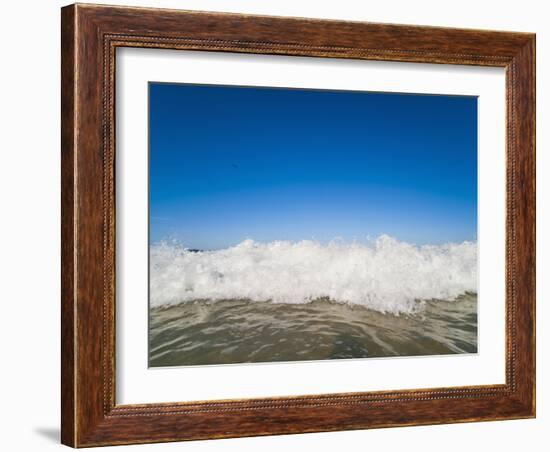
385 274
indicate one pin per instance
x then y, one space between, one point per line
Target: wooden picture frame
90 35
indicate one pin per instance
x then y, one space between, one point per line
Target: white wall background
29 187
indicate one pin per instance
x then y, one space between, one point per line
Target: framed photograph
281 225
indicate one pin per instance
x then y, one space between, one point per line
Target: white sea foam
385 275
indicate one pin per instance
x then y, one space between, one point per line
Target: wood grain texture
90 36
68 147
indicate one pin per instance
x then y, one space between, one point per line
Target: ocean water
284 301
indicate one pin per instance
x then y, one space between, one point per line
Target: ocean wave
385 274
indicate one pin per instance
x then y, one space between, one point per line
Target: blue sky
231 163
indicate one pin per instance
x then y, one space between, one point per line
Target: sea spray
385 275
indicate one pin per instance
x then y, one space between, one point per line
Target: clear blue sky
230 163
